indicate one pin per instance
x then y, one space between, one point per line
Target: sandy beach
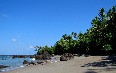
70 66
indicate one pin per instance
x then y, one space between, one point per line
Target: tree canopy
98 40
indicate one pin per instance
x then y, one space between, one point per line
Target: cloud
31 47
14 40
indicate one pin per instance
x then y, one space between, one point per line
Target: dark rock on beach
2 66
66 56
22 56
63 58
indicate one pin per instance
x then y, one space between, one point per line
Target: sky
28 23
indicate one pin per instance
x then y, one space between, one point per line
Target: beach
70 66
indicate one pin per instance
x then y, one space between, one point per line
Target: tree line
99 39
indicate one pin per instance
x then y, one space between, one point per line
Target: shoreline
70 66
9 64
10 68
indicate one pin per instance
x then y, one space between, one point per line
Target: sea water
12 63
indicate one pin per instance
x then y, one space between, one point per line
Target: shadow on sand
109 64
90 72
105 62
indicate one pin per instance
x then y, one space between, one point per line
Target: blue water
13 63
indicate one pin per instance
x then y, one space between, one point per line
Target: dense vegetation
98 40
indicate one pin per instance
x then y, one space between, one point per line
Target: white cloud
14 40
31 47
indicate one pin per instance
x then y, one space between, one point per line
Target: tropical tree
98 40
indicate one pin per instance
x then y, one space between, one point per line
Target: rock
2 66
69 56
39 62
25 62
63 58
42 57
34 63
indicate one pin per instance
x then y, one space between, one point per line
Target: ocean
7 60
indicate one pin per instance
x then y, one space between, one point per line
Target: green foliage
66 43
98 40
44 50
107 47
